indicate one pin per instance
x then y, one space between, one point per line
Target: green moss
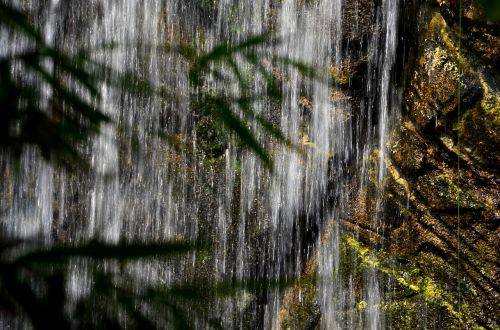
361 306
210 137
415 283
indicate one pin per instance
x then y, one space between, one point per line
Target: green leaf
101 251
18 21
222 111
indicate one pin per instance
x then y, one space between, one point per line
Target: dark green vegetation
67 120
59 125
48 268
114 302
223 109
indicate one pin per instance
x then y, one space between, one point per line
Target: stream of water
139 188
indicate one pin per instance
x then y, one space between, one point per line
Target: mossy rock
440 191
479 131
407 152
432 94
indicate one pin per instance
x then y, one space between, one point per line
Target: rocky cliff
437 247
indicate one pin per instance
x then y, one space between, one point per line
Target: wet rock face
446 154
408 152
447 84
439 242
358 20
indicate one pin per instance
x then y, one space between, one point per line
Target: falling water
140 188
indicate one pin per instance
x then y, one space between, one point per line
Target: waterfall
264 225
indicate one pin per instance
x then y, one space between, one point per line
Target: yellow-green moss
412 279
